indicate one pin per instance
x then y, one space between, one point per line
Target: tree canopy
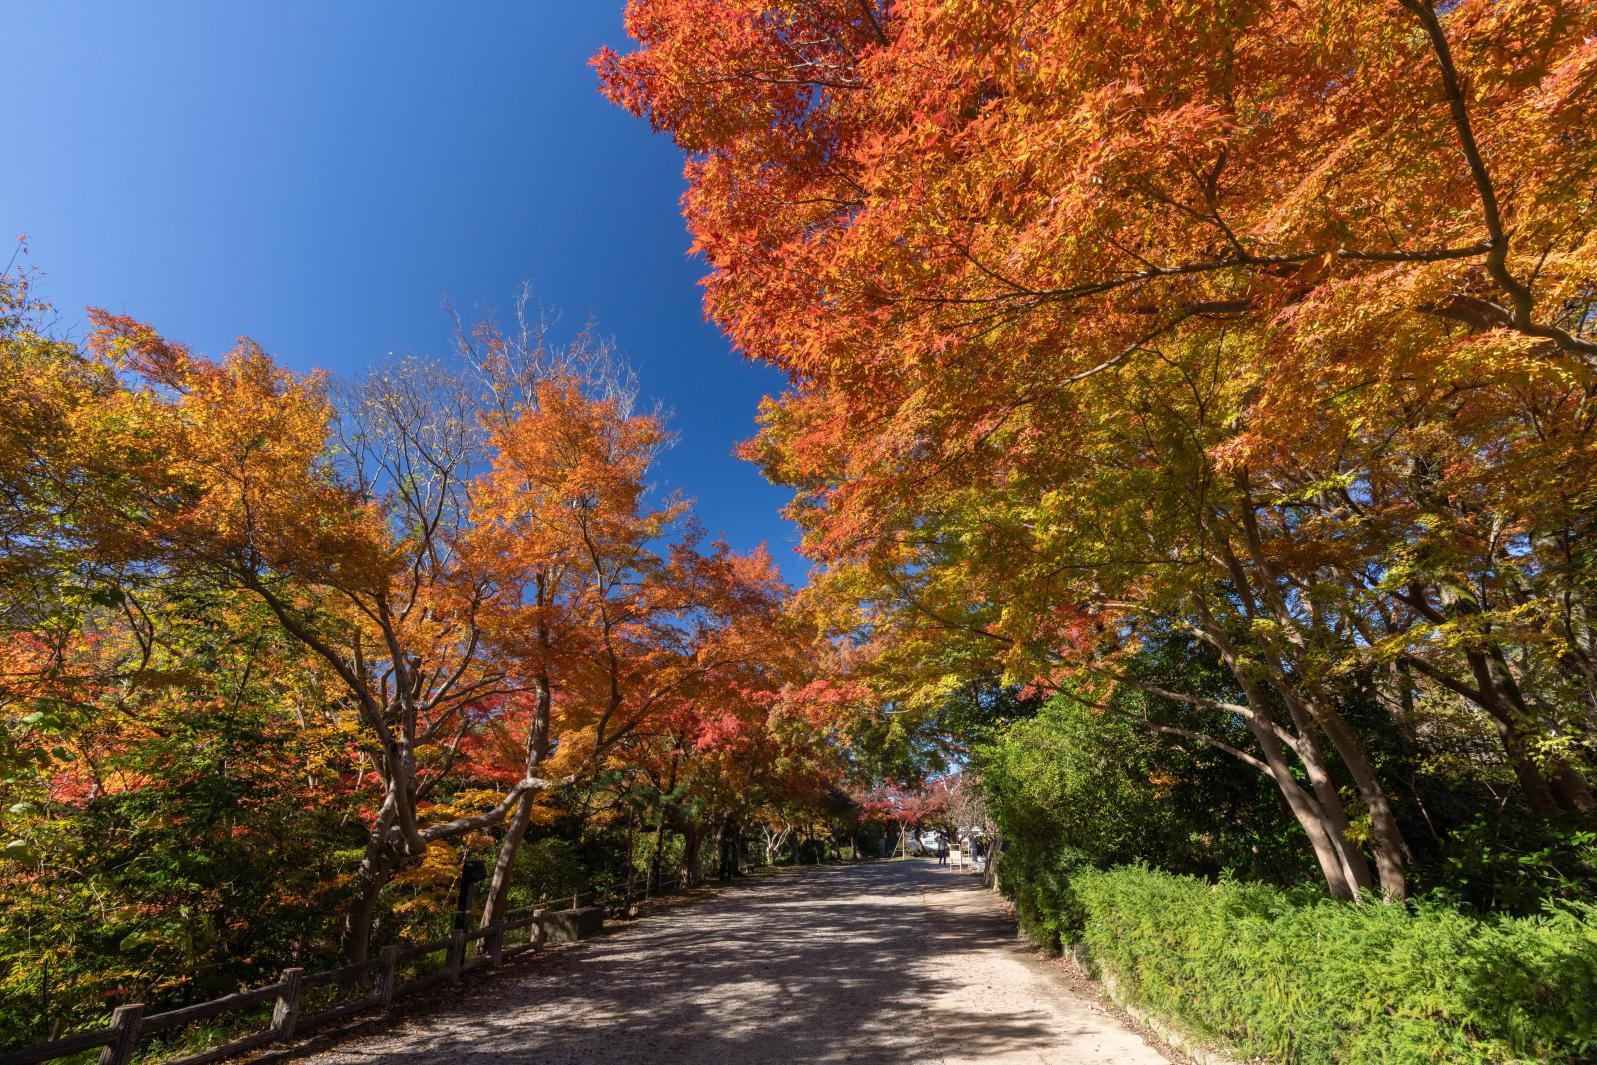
1262 327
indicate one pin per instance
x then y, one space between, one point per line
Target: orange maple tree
1268 325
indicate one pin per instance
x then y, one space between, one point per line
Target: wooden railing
129 1024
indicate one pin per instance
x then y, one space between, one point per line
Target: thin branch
1523 302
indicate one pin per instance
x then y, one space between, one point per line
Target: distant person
942 851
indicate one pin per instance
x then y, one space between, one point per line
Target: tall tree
1266 324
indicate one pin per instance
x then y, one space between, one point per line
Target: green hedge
1295 978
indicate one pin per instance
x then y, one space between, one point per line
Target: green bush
1295 977
548 868
1074 783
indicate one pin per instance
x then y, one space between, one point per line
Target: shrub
548 868
1295 977
1073 779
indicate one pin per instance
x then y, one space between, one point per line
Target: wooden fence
381 975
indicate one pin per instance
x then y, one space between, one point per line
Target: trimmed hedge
1291 977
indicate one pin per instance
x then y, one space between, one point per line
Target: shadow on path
890 962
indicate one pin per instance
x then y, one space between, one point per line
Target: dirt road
888 963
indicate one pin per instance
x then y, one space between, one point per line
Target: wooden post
457 952
285 1015
535 934
125 1022
495 943
387 975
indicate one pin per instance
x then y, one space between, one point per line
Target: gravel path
893 962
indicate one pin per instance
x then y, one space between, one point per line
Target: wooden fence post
387 974
285 1015
538 934
495 943
457 952
125 1021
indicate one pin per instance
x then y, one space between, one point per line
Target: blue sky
319 176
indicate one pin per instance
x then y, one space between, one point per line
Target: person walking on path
942 851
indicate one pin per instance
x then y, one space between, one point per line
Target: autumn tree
477 555
256 621
1268 326
566 528
170 781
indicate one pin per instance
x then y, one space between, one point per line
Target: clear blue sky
319 176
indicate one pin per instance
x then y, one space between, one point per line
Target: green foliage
671 851
188 846
1294 977
1075 780
548 868
159 894
1498 964
1498 863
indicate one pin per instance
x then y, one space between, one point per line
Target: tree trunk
376 866
1329 851
632 849
1309 710
657 859
537 750
1386 836
692 837
1496 694
734 844
720 850
1330 848
370 881
1332 811
1572 789
1538 792
989 875
1568 788
499 885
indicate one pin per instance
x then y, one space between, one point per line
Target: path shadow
831 965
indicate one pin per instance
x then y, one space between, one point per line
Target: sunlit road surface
888 962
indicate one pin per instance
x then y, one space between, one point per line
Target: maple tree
345 634
158 734
1190 411
735 742
1268 326
612 631
569 543
904 807
360 564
